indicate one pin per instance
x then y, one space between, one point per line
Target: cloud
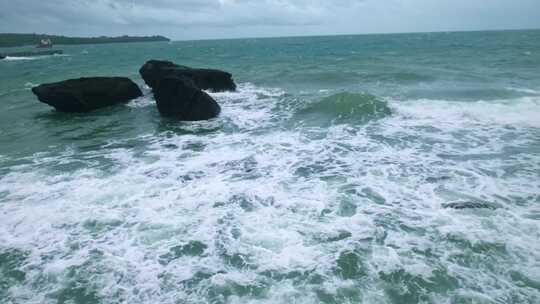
232 18
180 13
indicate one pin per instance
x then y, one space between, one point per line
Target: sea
377 169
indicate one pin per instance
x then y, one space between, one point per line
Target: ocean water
326 179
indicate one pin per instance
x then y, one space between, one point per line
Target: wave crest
345 107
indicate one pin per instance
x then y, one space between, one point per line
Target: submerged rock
469 205
192 248
179 97
349 265
436 179
87 94
207 79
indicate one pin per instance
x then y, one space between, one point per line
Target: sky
208 19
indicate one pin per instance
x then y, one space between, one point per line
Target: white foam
521 111
22 58
277 200
9 58
142 102
525 90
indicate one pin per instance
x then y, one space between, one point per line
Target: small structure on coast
45 44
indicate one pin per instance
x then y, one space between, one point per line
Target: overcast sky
202 19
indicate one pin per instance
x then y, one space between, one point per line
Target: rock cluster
178 91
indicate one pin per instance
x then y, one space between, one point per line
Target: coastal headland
16 40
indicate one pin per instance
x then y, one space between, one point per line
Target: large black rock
207 79
179 97
87 94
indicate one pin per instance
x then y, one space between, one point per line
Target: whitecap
525 90
522 111
8 58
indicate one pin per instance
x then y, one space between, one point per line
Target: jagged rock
178 97
87 94
206 79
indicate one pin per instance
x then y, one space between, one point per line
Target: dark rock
206 79
2 56
87 94
469 205
178 97
154 70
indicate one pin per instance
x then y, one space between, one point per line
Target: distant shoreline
17 40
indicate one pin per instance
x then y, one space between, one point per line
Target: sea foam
354 214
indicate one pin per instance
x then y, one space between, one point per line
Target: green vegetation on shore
12 40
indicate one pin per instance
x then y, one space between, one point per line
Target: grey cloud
233 18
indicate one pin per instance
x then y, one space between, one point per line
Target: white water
284 199
22 58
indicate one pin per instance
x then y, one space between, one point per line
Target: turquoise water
324 180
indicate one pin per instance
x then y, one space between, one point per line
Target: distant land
12 40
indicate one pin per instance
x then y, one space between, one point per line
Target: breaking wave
344 108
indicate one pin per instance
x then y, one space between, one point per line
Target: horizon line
359 34
289 36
